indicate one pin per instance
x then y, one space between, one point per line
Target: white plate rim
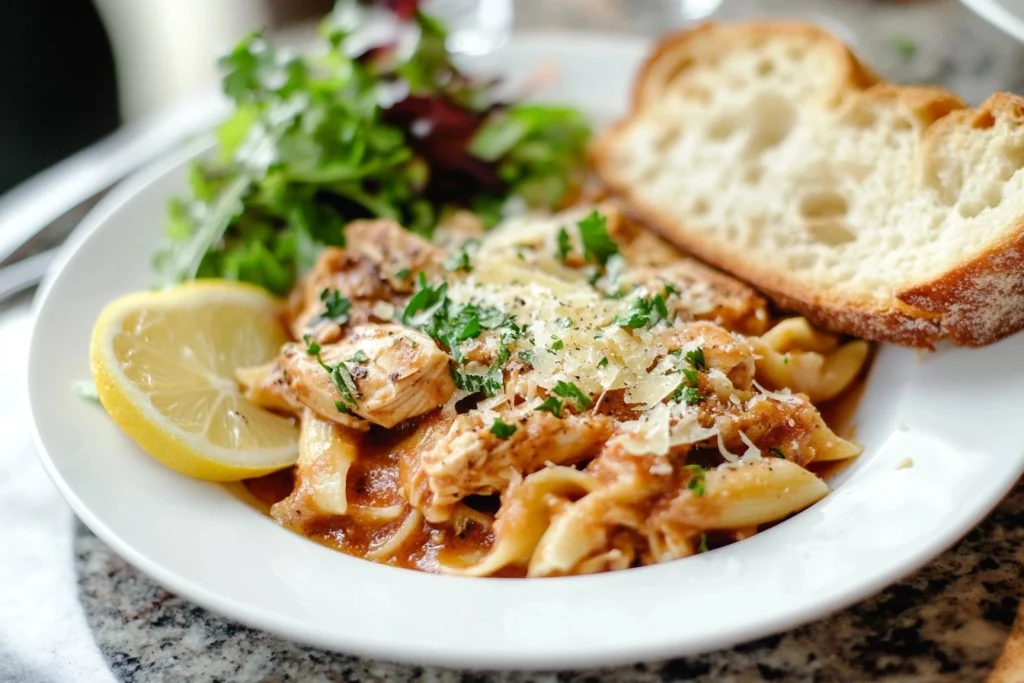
479 656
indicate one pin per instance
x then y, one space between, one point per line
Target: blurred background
75 70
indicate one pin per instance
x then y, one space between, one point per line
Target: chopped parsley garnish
688 390
336 306
359 357
461 258
696 483
552 405
501 429
556 345
598 246
671 289
696 359
403 274
342 379
643 312
426 296
570 390
603 363
703 546
565 323
312 347
564 244
471 330
451 324
688 395
777 452
340 376
489 383
785 359
526 356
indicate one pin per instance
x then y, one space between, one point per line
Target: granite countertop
72 610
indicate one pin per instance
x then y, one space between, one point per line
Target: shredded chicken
471 460
397 374
723 351
380 264
265 386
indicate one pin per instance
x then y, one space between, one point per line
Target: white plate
955 413
1007 15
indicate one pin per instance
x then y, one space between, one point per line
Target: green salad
348 130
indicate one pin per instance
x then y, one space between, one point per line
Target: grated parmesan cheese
541 295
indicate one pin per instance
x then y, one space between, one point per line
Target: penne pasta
545 402
747 494
404 533
583 530
525 514
796 356
326 452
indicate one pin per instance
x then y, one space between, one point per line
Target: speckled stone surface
946 624
72 610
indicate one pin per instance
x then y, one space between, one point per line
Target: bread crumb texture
769 150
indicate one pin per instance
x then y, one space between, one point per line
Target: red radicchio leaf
440 132
403 9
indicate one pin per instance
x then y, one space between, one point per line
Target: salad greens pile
359 128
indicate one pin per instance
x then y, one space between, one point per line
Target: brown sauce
375 481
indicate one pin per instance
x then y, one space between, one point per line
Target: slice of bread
768 150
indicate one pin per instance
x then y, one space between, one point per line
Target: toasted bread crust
1010 666
975 303
676 52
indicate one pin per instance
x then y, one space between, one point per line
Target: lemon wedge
163 363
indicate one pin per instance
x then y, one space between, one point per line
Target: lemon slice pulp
163 363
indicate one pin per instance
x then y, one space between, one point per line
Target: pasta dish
564 394
482 367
